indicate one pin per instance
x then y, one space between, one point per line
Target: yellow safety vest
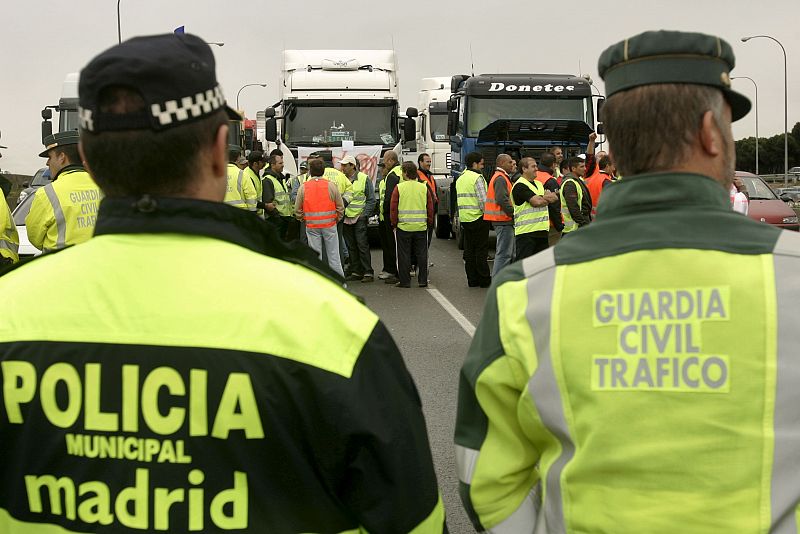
64 212
397 170
469 208
282 201
412 206
341 181
240 192
569 223
258 185
9 239
359 201
528 218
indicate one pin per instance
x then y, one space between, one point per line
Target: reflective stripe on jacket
494 211
64 211
431 182
528 218
595 185
319 210
412 206
240 192
469 208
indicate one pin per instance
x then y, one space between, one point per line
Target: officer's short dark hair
547 159
255 156
316 167
422 156
604 162
273 157
409 169
71 152
473 158
144 161
526 162
233 154
574 161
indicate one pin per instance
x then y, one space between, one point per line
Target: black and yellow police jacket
149 386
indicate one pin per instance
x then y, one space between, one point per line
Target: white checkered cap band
188 107
172 111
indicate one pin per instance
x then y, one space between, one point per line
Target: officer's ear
83 159
710 135
219 151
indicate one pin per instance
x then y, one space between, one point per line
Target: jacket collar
164 215
663 191
69 169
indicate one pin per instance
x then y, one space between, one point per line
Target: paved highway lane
434 345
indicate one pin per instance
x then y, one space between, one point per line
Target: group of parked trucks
347 102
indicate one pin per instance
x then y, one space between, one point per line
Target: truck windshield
68 120
482 111
439 128
330 124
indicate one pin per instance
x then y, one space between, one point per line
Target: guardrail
775 178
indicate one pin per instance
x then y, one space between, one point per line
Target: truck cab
519 114
67 108
331 97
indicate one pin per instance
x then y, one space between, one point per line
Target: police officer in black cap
148 379
642 375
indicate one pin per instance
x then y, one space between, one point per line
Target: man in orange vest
544 175
600 180
500 211
424 162
319 204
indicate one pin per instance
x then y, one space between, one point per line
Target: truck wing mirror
269 113
47 129
452 123
271 130
409 130
412 112
47 114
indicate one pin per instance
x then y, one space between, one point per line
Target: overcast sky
41 41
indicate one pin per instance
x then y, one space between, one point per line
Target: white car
26 250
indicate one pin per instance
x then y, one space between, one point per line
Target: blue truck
519 114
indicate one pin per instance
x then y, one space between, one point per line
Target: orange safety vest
595 185
431 184
494 211
319 211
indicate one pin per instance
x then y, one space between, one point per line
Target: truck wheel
443 226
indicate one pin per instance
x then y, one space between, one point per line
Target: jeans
358 245
505 246
327 237
406 243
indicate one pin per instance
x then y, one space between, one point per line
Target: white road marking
468 327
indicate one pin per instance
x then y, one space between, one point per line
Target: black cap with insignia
70 137
656 57
174 74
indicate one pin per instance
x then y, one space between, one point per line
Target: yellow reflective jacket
640 376
240 192
64 212
9 240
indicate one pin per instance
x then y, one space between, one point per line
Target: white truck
432 139
336 97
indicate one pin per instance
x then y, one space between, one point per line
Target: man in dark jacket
575 196
546 177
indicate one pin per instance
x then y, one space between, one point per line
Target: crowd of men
190 368
530 205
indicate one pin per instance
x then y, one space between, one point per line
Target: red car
765 206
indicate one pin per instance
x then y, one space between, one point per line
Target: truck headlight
790 220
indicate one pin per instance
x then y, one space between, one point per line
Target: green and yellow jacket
642 376
146 387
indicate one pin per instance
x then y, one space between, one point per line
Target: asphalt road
434 345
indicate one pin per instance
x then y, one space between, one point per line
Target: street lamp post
242 87
119 24
785 105
756 108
